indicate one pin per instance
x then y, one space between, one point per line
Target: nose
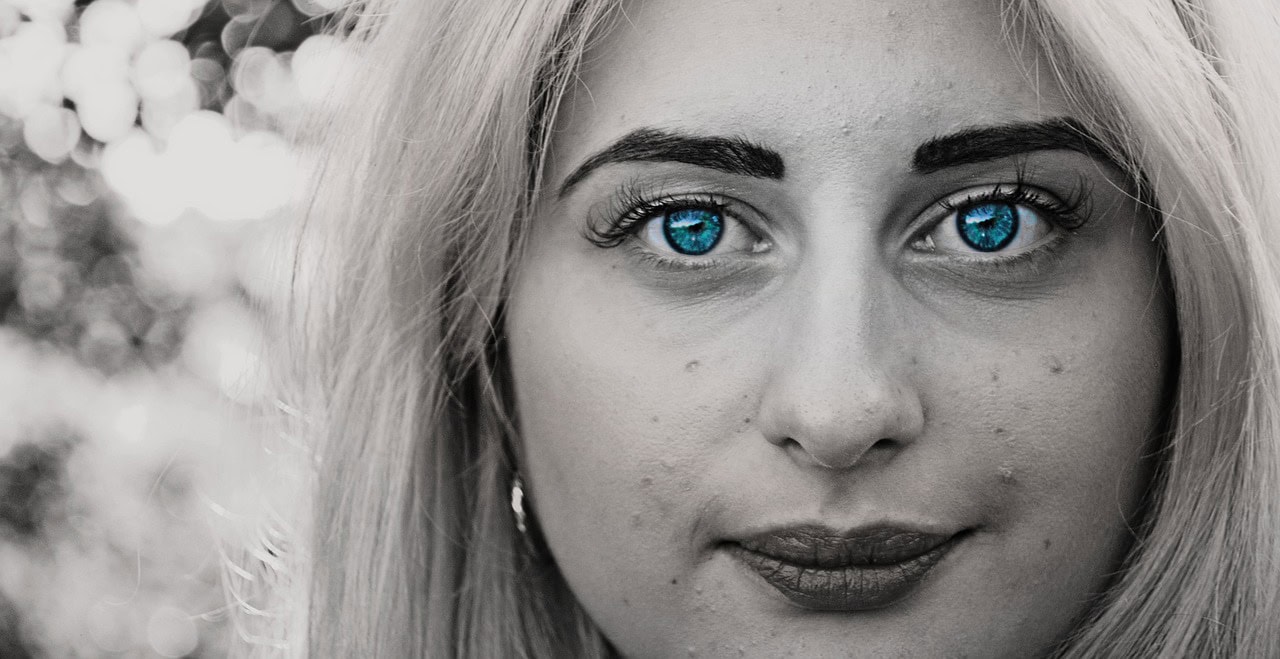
838 388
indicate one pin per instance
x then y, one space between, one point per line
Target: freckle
746 420
1055 364
914 360
635 519
675 582
654 418
999 431
646 481
1047 543
995 375
626 602
692 366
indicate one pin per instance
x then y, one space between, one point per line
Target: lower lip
851 588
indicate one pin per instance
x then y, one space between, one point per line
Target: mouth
822 569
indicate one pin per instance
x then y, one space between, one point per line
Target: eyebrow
974 145
732 155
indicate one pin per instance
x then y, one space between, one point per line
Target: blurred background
145 177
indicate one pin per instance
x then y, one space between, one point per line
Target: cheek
619 428
1057 417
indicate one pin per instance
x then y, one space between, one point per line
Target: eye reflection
691 231
695 231
989 228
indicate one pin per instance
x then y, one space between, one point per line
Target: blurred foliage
143 178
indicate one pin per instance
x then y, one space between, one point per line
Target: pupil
693 231
988 227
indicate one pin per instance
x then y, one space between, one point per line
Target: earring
517 503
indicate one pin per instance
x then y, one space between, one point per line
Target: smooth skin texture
828 366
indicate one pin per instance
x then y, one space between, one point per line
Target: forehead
825 80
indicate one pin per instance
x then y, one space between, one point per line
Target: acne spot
995 375
914 360
1006 475
646 481
1054 364
654 418
999 431
635 520
1047 543
692 366
746 421
626 602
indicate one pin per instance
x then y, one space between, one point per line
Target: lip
824 569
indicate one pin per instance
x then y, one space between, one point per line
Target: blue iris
693 231
988 227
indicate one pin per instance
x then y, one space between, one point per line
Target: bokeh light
145 175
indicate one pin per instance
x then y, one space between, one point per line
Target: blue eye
996 227
988 227
692 231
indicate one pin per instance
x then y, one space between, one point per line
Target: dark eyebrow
731 155
974 145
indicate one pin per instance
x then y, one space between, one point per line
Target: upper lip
820 546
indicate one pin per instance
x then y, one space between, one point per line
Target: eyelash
633 206
1067 214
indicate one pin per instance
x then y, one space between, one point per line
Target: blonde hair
431 165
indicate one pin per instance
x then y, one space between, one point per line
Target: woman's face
830 339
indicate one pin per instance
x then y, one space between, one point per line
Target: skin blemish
653 419
692 366
995 375
1006 475
1047 543
675 582
1054 364
999 431
635 519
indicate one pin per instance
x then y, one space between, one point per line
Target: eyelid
635 203
1066 214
